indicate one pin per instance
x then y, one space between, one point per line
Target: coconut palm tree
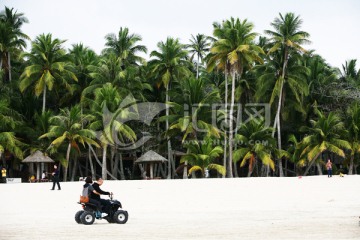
202 155
109 121
199 46
82 57
70 127
321 80
349 72
9 120
169 64
12 39
287 38
124 46
325 135
194 115
352 121
49 66
232 52
255 143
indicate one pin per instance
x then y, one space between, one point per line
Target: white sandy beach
244 208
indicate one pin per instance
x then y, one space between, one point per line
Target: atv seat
88 203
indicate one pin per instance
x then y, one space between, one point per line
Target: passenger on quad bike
113 214
92 191
96 196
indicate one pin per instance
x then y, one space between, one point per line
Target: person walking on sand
56 179
329 168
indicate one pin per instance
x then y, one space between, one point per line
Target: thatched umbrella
38 157
151 157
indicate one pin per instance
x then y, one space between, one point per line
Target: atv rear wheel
87 218
121 216
77 216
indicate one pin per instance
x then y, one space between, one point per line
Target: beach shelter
151 157
38 157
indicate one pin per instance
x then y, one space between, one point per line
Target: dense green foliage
226 97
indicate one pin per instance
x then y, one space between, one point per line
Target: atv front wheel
77 216
121 216
87 218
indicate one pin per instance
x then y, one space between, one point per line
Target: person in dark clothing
56 179
105 203
92 192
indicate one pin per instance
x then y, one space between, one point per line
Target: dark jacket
97 189
56 174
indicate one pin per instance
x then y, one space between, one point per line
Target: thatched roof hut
151 157
39 158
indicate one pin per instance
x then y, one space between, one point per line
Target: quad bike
113 214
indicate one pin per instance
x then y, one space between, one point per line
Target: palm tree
70 127
109 121
325 135
49 66
124 46
201 155
169 65
83 58
199 46
194 114
12 39
349 73
353 126
9 120
321 80
256 143
287 38
232 52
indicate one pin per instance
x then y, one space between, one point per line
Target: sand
244 208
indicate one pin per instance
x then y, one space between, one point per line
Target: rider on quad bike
96 196
92 209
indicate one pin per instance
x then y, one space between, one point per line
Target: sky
332 24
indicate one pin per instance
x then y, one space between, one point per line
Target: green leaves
255 143
326 134
201 155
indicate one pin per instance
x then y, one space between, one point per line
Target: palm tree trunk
9 65
115 164
197 67
231 122
277 117
168 142
311 163
281 173
73 172
104 169
351 165
44 99
91 164
319 168
225 134
122 174
100 164
67 162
